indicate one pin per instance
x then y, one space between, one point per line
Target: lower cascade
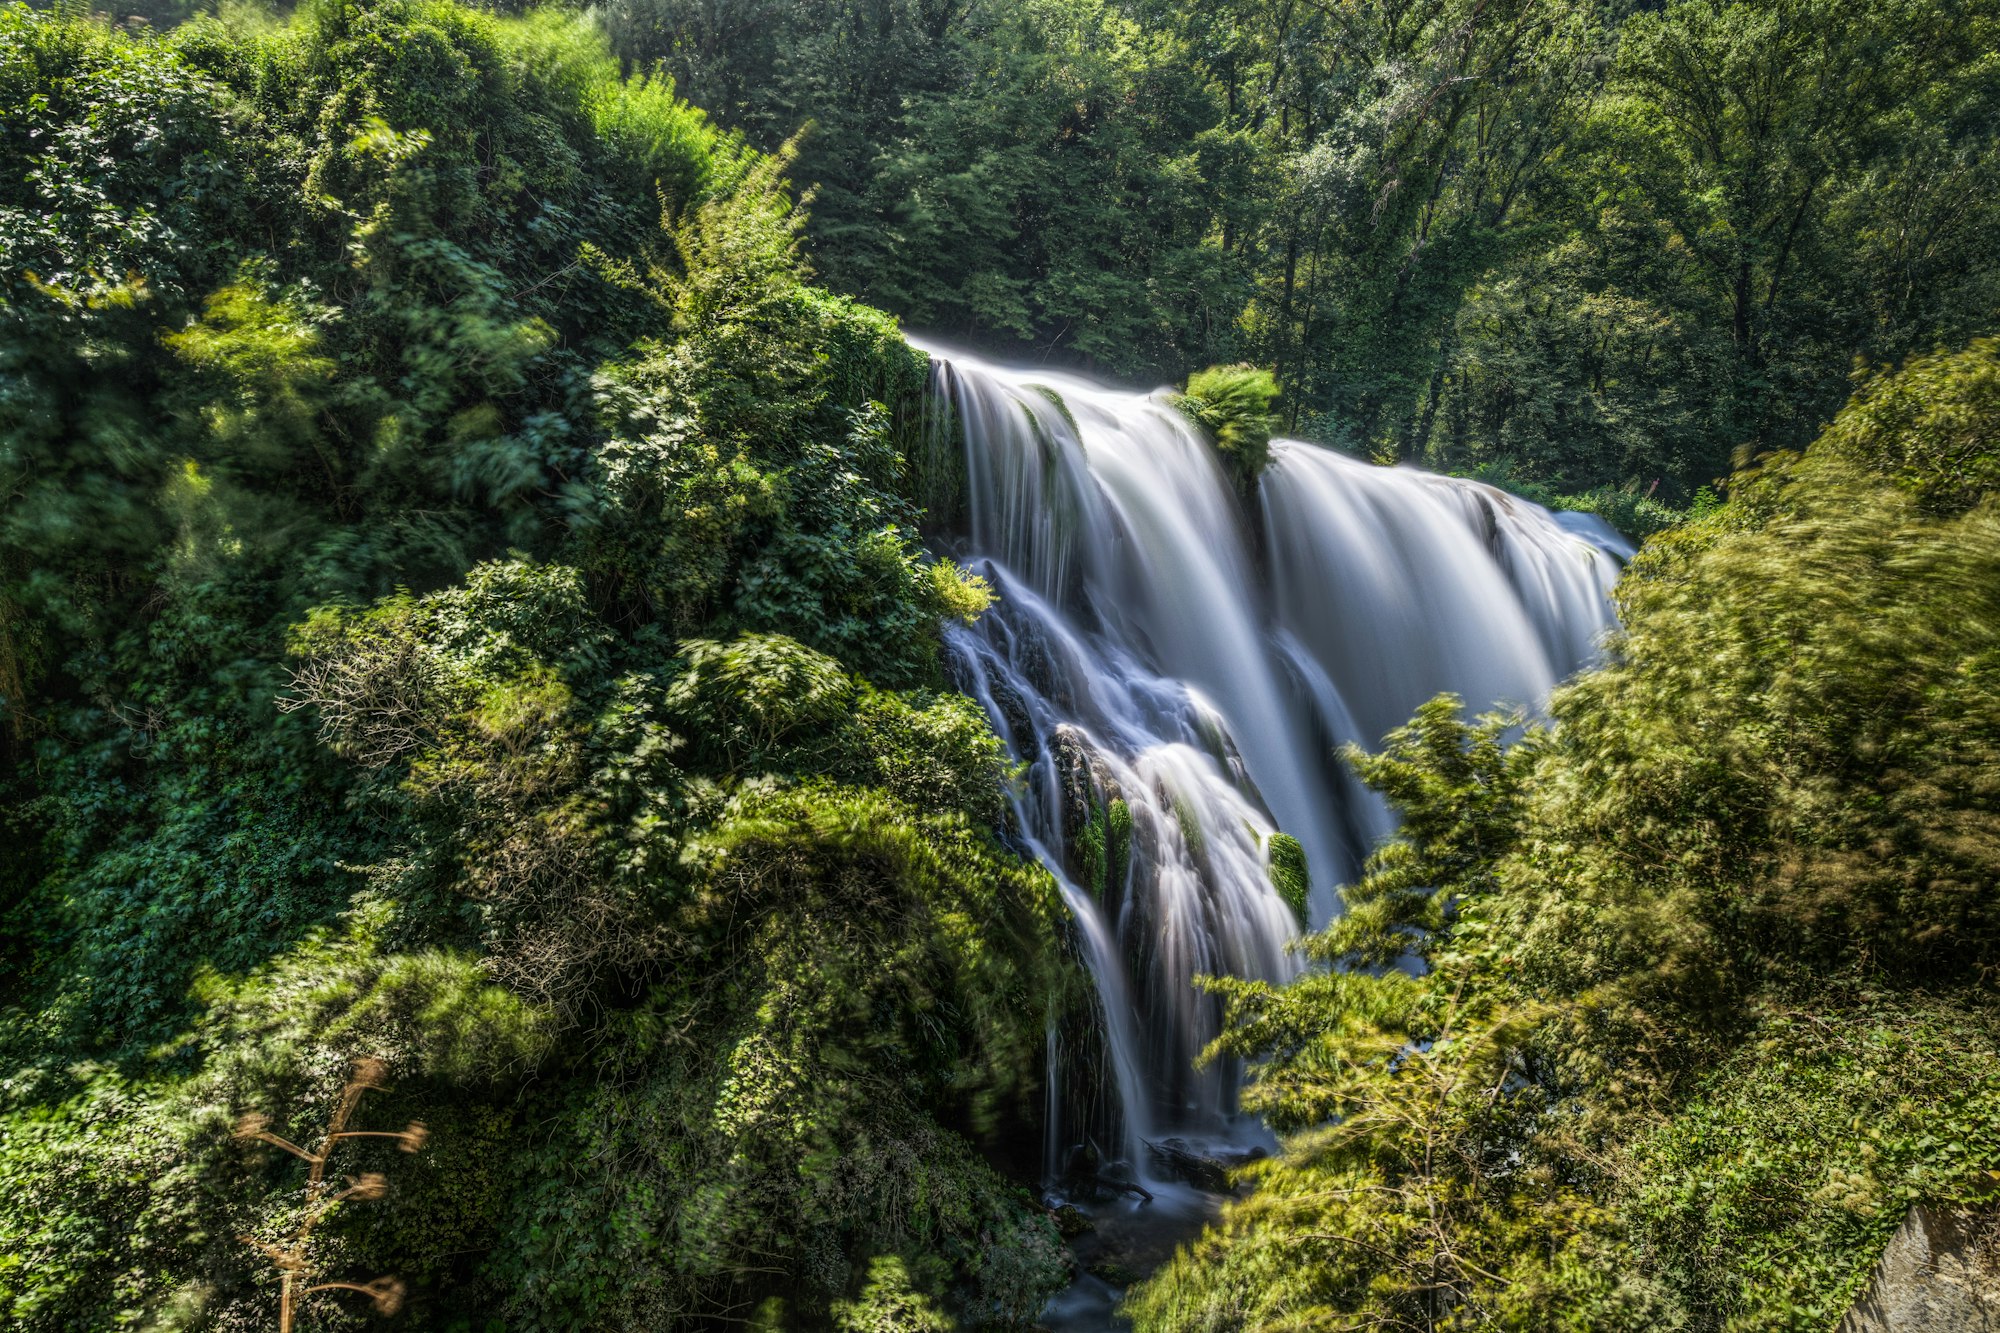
1175 674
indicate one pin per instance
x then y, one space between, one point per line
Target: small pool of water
1129 1239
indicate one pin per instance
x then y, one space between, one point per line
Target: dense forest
1591 244
491 835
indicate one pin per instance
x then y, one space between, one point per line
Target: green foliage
890 1303
1289 875
1118 848
1608 242
766 702
1929 428
1699 1011
124 1194
1456 786
275 358
1045 171
1091 853
859 961
958 595
1677 244
748 697
77 1171
1635 513
128 167
934 752
1233 405
433 1013
1103 849
1824 798
1610 245
460 605
1762 1202
753 478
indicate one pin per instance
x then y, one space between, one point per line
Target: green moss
1190 827
1118 846
1103 847
1090 853
1289 875
1061 407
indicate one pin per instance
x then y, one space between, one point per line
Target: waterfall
1402 584
1175 673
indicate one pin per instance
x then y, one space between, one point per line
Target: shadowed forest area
496 832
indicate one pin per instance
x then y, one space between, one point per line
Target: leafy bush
890 1303
1635 515
1233 405
747 697
857 963
1762 1201
1929 428
125 1193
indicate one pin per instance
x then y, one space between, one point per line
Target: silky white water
1158 646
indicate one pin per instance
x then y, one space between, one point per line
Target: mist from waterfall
1176 673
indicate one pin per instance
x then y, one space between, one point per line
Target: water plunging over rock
1176 696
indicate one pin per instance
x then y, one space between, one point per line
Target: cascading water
1402 584
1176 692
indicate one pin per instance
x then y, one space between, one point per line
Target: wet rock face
1071 1222
1205 1171
1096 822
1073 765
1940 1274
1020 722
1088 784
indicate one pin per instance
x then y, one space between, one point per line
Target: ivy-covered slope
460 608
1708 1001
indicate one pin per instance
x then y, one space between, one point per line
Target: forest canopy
1582 244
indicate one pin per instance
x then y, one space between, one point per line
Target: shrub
1232 405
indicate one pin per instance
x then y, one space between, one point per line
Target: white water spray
1174 710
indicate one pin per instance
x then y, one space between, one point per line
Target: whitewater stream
1176 674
